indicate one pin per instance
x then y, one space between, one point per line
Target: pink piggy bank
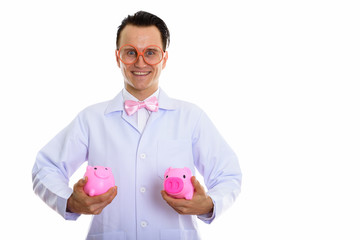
177 183
100 180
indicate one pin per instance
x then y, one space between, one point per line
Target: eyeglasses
152 55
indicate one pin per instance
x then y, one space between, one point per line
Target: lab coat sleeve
219 166
56 162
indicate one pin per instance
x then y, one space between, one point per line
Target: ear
167 170
188 171
117 57
165 60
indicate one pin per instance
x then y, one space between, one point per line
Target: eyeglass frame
140 54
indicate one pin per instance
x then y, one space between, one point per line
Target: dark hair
145 19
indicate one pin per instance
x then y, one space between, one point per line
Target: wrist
210 205
68 204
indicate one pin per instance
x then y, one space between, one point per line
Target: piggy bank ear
88 168
188 171
167 171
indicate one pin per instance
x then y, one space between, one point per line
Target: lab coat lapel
130 120
165 104
117 105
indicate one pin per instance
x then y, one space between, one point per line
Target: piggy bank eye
167 176
106 168
184 176
95 168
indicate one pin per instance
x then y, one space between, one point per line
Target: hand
79 202
201 203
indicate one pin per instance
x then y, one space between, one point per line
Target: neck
141 95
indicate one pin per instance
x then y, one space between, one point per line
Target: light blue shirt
178 135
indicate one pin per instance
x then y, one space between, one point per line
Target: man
139 134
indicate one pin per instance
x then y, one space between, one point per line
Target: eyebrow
153 48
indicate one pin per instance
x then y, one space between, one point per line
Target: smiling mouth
140 73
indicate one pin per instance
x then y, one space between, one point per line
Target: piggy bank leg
92 193
189 195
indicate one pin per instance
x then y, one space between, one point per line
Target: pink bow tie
151 104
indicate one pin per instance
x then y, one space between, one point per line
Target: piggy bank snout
174 185
102 172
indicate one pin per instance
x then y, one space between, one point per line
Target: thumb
81 183
197 186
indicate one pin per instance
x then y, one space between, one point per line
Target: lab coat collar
117 104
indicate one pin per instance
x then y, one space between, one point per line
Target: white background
280 79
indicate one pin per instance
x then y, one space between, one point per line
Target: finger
81 183
112 193
79 187
101 201
164 195
167 198
197 186
106 197
174 202
170 201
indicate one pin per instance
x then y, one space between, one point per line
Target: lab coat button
143 156
144 224
142 189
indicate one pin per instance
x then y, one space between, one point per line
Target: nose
173 185
140 62
102 173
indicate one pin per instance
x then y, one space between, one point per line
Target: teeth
141 73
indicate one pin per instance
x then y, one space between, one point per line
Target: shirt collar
117 103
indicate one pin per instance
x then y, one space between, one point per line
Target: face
140 78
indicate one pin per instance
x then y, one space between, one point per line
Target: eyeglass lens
152 54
